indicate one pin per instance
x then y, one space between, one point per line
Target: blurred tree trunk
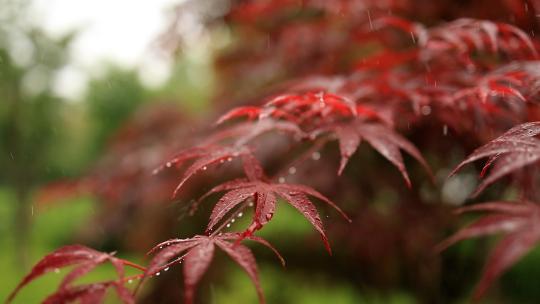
18 175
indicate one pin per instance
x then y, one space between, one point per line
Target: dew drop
232 221
316 156
292 170
130 281
250 204
166 269
240 214
281 180
56 270
229 159
370 21
228 225
157 274
445 130
168 164
426 110
204 168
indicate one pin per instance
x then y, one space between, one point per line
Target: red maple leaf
211 152
265 196
514 149
298 108
381 137
199 252
89 294
84 259
245 132
518 220
465 35
203 156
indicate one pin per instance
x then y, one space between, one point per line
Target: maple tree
477 78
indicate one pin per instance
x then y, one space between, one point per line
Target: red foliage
514 149
200 252
84 259
350 72
518 220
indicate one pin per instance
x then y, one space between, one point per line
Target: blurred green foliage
282 286
111 99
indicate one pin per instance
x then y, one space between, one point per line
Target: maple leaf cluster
470 75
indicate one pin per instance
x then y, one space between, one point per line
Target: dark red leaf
250 112
209 157
243 257
226 203
265 203
63 257
514 149
200 252
519 220
196 263
302 203
507 252
237 236
166 253
382 138
349 140
86 294
84 259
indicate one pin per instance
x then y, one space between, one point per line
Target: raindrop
281 180
232 221
204 168
370 22
130 281
250 204
292 170
166 269
445 130
229 159
158 273
56 270
160 247
240 214
316 155
168 164
229 225
426 110
221 161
